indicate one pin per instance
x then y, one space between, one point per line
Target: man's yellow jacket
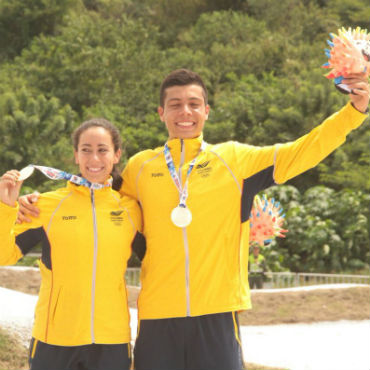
86 241
202 268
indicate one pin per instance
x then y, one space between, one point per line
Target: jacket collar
87 191
187 149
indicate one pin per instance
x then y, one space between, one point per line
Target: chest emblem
203 169
117 217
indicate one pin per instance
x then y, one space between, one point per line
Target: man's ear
207 110
160 111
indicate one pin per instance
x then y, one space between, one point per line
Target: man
194 278
256 268
196 200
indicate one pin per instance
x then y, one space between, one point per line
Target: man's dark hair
182 77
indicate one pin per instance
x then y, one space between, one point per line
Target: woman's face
95 154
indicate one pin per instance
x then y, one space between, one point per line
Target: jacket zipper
185 237
94 266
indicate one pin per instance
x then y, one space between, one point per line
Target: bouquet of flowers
349 53
266 221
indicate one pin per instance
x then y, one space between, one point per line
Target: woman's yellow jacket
86 241
202 269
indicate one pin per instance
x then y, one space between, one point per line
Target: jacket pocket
56 304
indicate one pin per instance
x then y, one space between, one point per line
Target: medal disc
181 216
25 173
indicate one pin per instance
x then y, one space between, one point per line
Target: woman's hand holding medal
10 185
11 182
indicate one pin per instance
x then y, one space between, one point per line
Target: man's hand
359 84
27 207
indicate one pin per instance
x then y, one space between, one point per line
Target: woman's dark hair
116 140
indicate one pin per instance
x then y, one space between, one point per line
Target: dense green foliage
62 62
328 230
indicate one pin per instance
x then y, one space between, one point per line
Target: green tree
95 60
349 166
233 42
351 13
328 231
35 130
22 20
149 133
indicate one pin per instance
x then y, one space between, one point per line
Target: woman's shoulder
56 194
53 197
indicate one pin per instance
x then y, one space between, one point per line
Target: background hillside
64 61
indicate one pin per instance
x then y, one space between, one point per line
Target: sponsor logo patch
68 218
116 217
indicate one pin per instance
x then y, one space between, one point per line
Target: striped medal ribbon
181 215
55 174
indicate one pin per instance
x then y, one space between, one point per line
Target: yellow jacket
202 269
257 265
86 241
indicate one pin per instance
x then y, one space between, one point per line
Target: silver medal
181 216
25 173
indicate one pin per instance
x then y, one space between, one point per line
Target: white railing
291 279
132 276
282 279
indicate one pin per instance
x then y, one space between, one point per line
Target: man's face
256 251
184 111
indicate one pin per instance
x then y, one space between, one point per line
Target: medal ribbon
55 174
183 191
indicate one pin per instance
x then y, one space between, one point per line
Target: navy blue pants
45 356
208 342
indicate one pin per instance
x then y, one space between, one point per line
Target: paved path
340 345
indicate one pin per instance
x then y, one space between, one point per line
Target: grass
28 261
13 356
307 306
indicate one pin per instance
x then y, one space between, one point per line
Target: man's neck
183 138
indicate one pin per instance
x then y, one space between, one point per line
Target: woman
82 317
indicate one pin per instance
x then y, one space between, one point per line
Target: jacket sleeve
129 180
134 213
9 252
299 156
17 239
265 166
10 232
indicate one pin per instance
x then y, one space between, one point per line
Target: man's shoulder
145 155
231 146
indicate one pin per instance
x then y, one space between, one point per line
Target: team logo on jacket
203 165
203 169
116 217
